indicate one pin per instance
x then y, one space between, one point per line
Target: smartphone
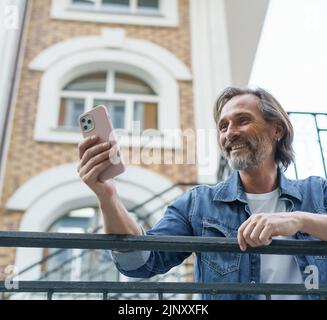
98 122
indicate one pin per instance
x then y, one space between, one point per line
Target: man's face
245 138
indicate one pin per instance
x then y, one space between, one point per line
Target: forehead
245 103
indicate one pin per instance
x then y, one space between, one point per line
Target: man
255 204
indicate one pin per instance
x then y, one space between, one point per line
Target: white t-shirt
275 268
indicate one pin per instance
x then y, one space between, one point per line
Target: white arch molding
68 59
51 194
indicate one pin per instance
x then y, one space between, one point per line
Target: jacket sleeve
175 222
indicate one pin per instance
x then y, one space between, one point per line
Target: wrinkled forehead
245 103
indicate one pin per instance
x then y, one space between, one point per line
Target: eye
244 120
223 128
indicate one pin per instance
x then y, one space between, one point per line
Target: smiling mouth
238 147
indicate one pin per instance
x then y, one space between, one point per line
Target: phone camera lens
83 120
89 121
85 127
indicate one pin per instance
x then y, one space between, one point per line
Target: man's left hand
259 229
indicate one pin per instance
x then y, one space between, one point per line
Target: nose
231 133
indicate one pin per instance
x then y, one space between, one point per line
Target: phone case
98 122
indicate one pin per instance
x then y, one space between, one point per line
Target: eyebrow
238 114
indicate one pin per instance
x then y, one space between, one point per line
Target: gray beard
242 162
253 157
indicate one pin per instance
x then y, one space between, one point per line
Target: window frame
132 8
108 94
166 16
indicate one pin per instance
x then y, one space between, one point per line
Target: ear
278 131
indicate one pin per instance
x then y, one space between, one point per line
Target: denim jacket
218 211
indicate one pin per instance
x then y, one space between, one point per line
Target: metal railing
310 142
162 243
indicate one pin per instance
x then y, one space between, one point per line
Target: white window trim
48 196
113 39
110 95
46 128
65 61
167 17
132 8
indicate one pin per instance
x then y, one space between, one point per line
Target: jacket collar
232 189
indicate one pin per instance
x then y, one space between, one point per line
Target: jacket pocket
221 263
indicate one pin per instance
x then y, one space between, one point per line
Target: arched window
127 97
78 264
90 264
136 79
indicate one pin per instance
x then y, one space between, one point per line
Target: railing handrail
162 287
308 113
162 243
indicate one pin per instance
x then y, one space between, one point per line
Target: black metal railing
310 143
162 243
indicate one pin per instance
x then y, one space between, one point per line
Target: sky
291 62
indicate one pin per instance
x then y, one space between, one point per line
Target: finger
244 225
247 233
266 235
240 237
87 143
250 242
94 173
114 155
255 234
241 241
93 151
94 161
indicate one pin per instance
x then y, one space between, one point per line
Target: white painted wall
244 24
224 41
211 74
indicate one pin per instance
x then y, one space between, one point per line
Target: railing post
49 295
160 295
320 146
105 295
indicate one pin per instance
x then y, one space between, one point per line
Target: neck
261 179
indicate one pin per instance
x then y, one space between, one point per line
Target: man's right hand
94 159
